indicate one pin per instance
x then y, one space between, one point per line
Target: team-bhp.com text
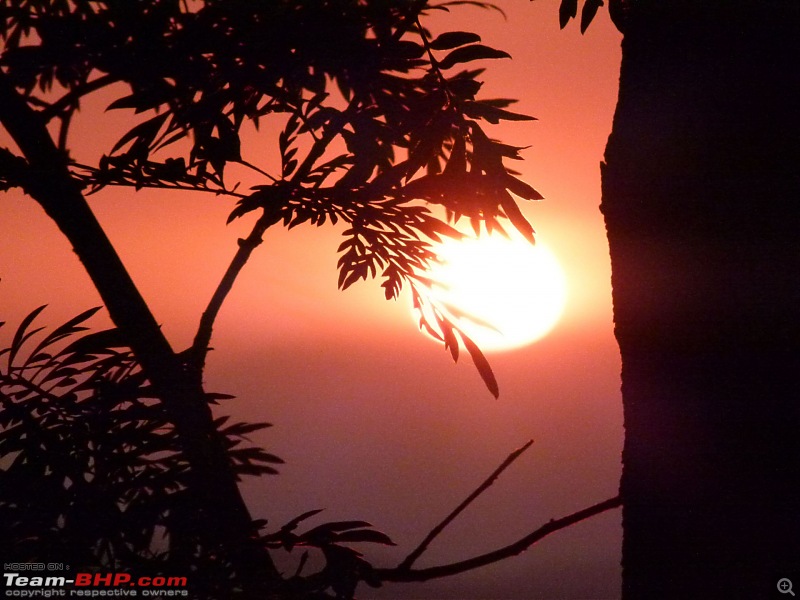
94 585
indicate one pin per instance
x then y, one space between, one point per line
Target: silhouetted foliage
377 114
113 454
93 469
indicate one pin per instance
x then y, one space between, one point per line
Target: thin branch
202 339
405 575
434 63
247 245
423 546
168 186
200 346
160 185
258 170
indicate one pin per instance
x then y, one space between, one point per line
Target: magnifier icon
785 586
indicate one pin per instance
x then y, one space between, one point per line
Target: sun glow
503 293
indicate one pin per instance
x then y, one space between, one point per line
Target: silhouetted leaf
568 10
144 133
215 397
516 217
457 163
69 328
326 528
464 88
470 53
521 189
588 13
292 525
22 334
493 114
453 39
365 535
98 342
484 369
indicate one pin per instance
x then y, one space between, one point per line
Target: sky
373 419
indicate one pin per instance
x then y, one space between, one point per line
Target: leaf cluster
569 10
344 567
92 468
379 123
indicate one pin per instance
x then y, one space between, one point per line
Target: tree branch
202 339
159 185
423 546
48 181
405 575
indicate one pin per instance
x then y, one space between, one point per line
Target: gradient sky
374 420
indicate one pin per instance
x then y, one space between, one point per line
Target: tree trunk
701 196
226 519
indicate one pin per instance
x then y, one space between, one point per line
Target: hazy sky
374 420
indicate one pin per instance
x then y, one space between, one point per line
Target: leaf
292 525
365 535
588 13
67 329
288 167
568 10
457 163
521 189
130 101
448 335
21 335
493 114
215 397
464 88
470 53
516 217
99 342
144 132
483 366
454 39
335 526
460 313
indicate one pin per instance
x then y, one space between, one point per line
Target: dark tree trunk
226 521
701 196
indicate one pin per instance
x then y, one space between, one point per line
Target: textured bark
701 196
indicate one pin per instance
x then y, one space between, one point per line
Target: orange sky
373 419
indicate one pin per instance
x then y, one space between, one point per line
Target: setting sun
503 293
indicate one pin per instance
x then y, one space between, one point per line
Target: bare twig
246 247
407 575
258 170
423 546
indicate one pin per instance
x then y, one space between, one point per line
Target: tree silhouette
379 121
700 190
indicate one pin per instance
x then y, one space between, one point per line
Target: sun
502 292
